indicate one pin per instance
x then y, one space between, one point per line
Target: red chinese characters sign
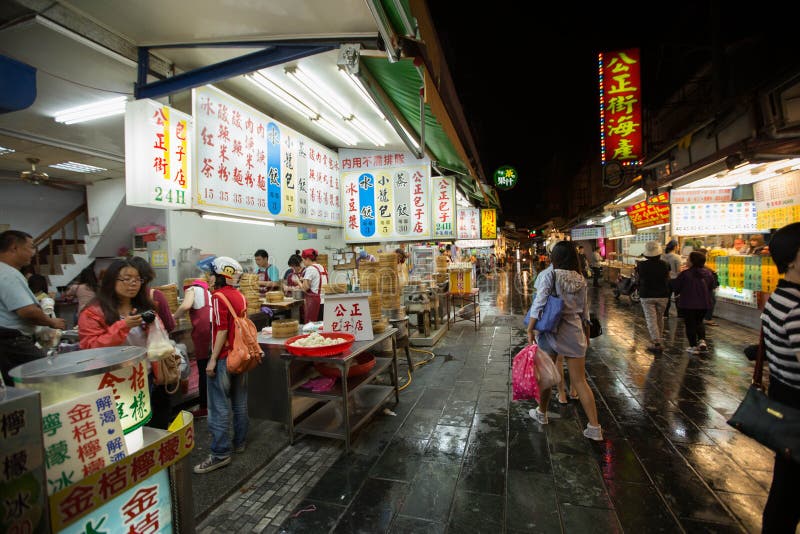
444 207
621 106
348 313
651 212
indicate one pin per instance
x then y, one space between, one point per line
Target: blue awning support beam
269 57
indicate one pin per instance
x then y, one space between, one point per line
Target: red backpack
245 353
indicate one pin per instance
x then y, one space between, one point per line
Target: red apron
312 299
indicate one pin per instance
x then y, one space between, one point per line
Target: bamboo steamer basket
332 289
274 296
170 292
378 327
374 306
322 259
285 328
441 263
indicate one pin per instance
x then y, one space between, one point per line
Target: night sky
528 84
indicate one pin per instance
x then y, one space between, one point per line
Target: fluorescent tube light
630 196
89 112
590 222
607 218
212 217
334 130
4 150
322 94
77 167
362 92
362 128
266 84
410 137
622 213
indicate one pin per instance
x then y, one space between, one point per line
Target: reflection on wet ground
461 456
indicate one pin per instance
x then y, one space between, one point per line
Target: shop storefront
721 213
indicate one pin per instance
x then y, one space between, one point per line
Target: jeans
596 276
226 393
15 351
654 316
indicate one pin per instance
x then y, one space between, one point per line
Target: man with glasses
20 313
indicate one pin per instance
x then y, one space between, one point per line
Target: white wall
103 199
240 241
35 208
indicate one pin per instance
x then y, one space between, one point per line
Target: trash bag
523 374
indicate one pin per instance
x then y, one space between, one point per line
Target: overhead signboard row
230 158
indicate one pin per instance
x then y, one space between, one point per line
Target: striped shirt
781 324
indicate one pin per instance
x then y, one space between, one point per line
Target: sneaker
240 449
211 463
693 350
593 432
538 416
701 346
199 413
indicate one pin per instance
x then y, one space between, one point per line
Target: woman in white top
311 284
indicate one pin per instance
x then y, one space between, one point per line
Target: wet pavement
460 456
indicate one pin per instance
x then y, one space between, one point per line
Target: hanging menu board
777 201
619 227
444 207
386 196
718 218
651 212
249 164
468 221
158 156
590 232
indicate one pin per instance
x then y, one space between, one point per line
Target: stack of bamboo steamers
248 285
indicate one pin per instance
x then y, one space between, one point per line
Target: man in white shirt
674 262
20 313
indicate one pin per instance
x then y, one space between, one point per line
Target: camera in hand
148 316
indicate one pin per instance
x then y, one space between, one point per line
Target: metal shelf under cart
358 397
470 310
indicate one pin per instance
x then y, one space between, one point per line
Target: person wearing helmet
222 386
312 281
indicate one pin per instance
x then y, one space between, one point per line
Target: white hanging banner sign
158 156
386 196
443 199
469 223
250 164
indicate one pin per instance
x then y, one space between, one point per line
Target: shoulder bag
769 422
551 313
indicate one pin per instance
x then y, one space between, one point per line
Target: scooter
628 285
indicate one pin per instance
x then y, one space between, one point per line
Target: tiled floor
460 456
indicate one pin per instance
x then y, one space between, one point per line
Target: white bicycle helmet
227 267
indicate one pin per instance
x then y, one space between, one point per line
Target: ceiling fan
36 177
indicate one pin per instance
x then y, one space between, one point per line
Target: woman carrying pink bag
531 373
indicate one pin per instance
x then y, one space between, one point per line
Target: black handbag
771 423
595 328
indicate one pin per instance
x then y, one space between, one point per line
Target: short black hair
565 256
261 253
37 284
295 260
9 238
784 245
697 258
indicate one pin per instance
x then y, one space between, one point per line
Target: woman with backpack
226 392
197 303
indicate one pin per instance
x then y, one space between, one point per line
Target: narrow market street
460 456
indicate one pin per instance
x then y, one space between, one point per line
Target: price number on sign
169 196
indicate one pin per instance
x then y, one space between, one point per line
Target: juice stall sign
81 436
651 212
158 156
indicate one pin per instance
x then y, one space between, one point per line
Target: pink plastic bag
547 374
523 375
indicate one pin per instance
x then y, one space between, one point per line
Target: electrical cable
417 366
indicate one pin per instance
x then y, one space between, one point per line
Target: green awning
402 83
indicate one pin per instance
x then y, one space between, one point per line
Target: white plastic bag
547 374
